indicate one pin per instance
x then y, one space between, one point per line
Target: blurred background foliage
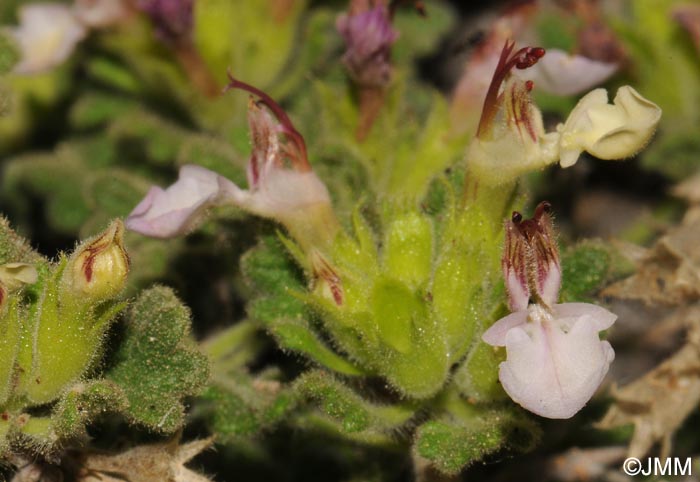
81 144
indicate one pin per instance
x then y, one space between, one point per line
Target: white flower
608 131
555 360
46 36
559 73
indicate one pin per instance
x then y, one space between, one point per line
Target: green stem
233 347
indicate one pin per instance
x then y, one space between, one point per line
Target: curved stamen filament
522 59
301 162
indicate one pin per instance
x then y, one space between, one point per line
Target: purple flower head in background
368 37
555 358
173 19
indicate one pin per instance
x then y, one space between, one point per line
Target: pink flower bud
530 262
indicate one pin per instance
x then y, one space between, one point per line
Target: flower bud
531 267
98 268
368 37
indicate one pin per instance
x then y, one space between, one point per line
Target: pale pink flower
560 73
165 213
555 358
281 184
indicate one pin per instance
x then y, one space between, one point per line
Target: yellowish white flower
608 131
511 139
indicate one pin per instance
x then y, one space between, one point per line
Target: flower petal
559 73
608 131
283 193
173 211
15 275
496 335
601 318
554 372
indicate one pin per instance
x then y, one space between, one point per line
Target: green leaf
94 109
240 406
269 269
158 364
145 132
82 403
452 443
352 412
585 268
9 54
13 247
296 335
254 40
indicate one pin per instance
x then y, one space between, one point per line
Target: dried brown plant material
146 463
669 274
688 190
578 464
658 403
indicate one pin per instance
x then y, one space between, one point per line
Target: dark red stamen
530 227
529 85
301 163
522 59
